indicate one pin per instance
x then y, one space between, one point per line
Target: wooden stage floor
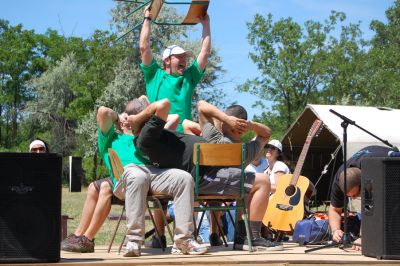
292 254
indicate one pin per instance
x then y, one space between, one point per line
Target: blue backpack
311 231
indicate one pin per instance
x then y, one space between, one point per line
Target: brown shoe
78 244
70 240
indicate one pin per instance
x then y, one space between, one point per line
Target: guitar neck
313 130
300 161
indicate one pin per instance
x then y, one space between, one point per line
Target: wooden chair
196 10
153 203
227 155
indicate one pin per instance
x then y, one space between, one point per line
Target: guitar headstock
315 129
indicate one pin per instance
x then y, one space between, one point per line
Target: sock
241 228
255 229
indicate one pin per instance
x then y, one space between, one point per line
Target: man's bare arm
334 215
263 132
144 41
205 51
208 112
159 108
106 117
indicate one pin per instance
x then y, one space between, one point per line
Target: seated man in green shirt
138 179
174 81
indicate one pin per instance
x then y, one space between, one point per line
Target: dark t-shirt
165 148
337 199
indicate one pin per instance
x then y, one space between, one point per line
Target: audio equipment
30 207
380 222
75 174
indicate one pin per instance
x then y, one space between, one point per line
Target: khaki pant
138 181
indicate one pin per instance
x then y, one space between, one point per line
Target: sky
228 25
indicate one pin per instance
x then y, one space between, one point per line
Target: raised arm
144 42
190 127
105 118
159 108
205 51
263 132
208 112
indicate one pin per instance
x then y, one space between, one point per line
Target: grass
72 204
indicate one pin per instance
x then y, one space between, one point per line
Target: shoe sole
180 252
131 254
257 248
73 249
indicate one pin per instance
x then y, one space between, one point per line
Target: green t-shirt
177 89
123 146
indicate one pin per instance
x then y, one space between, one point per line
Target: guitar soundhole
290 190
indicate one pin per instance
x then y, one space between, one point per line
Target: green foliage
301 65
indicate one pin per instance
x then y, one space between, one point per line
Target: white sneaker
175 250
132 249
188 247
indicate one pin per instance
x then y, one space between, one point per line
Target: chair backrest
208 154
217 154
116 165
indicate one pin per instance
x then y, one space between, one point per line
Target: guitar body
286 205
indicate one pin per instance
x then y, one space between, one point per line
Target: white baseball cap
275 143
175 49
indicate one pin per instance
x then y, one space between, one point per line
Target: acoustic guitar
286 205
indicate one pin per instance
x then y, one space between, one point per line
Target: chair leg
165 219
219 228
197 226
246 222
116 229
154 223
122 242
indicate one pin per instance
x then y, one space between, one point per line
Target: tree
54 94
299 65
19 62
382 78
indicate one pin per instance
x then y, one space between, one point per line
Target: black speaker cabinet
75 174
30 207
380 223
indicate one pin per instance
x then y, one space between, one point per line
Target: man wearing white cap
174 81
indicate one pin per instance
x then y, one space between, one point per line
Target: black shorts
114 199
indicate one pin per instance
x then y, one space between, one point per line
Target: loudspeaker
380 222
75 174
30 207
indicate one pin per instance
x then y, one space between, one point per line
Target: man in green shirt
174 81
139 178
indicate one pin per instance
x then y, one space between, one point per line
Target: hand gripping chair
226 155
153 203
196 10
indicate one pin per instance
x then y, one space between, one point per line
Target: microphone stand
346 241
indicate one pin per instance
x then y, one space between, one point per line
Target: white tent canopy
326 149
382 122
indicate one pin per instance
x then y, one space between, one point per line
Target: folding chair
227 155
117 170
196 10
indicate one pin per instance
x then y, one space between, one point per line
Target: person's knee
137 179
262 182
186 180
105 189
92 191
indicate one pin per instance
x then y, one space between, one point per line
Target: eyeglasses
271 147
38 149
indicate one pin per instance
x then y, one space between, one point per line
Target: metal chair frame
206 154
